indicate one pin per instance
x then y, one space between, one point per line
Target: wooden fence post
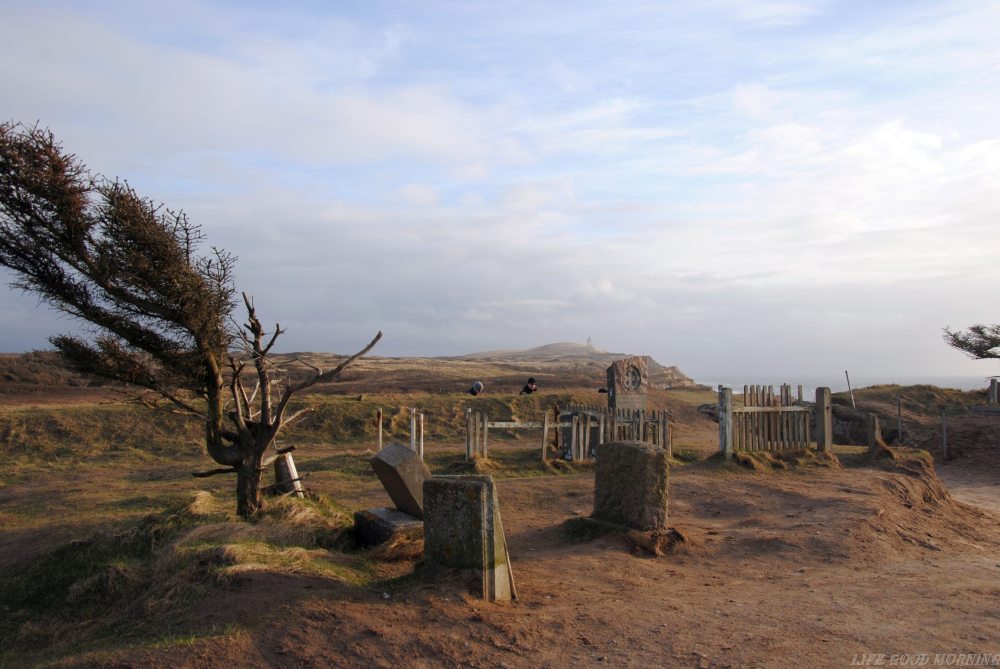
486 432
468 434
421 436
824 420
378 419
875 433
545 434
413 429
574 448
726 421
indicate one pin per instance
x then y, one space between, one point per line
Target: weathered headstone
376 526
463 530
402 474
628 383
630 486
286 476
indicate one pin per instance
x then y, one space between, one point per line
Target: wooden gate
770 422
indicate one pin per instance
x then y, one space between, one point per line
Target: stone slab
376 526
628 383
630 485
402 474
463 530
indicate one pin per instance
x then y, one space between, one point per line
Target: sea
838 382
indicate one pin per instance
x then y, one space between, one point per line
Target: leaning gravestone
402 474
630 486
628 383
286 477
463 530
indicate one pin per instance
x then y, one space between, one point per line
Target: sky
773 187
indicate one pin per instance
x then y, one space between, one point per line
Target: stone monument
630 485
628 383
462 530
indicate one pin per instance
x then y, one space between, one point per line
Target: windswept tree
159 312
980 342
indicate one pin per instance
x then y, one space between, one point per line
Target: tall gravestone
630 485
462 530
628 383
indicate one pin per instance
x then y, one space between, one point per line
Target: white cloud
419 194
659 177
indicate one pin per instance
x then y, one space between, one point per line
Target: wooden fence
582 428
772 422
578 429
477 431
416 431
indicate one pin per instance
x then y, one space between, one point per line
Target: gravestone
402 474
628 383
630 485
463 530
376 526
286 477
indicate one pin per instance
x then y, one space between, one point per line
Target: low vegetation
120 584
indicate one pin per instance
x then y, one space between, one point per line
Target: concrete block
376 526
630 486
463 530
402 474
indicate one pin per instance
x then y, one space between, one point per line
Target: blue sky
784 187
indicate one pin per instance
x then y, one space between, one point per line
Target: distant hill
559 365
555 351
661 376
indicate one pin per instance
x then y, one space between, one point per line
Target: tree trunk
248 477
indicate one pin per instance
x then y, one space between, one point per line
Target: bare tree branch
320 378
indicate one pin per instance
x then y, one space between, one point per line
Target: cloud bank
790 188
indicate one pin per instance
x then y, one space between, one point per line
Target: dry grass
119 581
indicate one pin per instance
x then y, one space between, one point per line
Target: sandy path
972 484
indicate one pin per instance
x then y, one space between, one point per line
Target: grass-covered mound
121 584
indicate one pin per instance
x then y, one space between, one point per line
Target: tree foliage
159 311
979 342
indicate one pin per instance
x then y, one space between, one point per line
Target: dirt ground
806 567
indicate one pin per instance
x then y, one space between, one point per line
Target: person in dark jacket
529 387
